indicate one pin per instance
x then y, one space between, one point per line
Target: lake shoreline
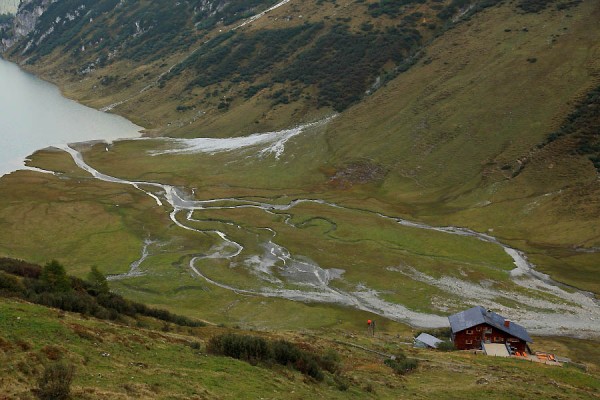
38 115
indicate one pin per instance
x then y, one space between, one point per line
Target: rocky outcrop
25 20
8 6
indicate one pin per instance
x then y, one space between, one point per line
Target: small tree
98 281
55 382
55 278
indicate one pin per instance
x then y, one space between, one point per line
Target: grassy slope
143 363
464 109
475 104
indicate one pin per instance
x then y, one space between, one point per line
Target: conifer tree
98 281
55 278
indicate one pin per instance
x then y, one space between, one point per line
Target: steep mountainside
210 60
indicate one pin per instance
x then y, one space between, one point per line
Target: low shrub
52 352
20 268
341 382
254 349
446 346
10 285
55 382
23 344
243 347
401 365
330 361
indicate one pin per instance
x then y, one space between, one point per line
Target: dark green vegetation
55 382
341 64
535 6
401 364
392 8
465 7
255 349
236 57
141 30
51 286
581 129
228 12
6 18
5 26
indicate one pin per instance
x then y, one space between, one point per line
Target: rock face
28 13
8 6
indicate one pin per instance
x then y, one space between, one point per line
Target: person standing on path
370 327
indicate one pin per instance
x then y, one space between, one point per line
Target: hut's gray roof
479 315
429 340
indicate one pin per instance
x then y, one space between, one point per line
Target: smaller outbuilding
425 340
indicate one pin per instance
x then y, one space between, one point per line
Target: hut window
468 342
478 329
469 331
497 339
514 340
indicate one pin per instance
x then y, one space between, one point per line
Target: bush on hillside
10 285
241 347
330 361
20 268
55 382
254 349
401 365
391 8
446 346
6 19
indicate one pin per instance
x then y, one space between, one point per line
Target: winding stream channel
569 312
